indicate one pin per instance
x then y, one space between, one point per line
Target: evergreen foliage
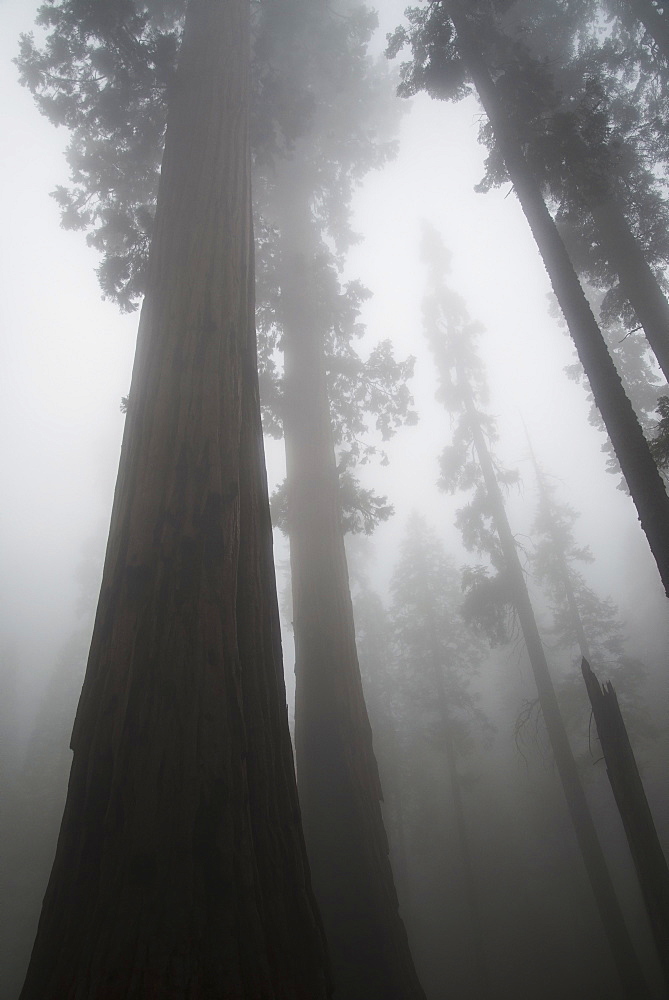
105 73
436 653
471 36
463 390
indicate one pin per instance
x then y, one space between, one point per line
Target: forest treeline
442 830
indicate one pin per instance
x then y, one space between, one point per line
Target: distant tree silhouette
468 465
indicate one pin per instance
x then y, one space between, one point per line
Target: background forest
429 297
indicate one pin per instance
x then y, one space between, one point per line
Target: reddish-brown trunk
337 773
180 870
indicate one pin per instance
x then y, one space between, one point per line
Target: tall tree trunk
637 281
621 767
625 958
637 464
180 869
337 773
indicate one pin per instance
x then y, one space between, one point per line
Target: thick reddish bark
180 870
337 773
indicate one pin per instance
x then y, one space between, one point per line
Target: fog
66 361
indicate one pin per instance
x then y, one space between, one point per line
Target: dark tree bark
637 280
643 479
478 936
625 958
180 870
337 773
630 796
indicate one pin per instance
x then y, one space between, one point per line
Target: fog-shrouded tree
591 109
324 389
437 659
451 47
642 383
584 624
629 793
180 868
580 133
318 123
468 464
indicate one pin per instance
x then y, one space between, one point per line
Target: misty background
65 364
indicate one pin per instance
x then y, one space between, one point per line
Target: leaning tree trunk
637 280
625 958
337 772
643 479
649 860
180 870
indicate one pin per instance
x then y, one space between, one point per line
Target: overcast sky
66 358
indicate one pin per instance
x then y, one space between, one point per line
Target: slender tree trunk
649 860
637 464
180 869
625 958
337 773
655 23
637 281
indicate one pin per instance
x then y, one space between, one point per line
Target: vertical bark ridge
180 870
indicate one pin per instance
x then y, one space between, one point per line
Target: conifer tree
451 46
437 659
580 132
468 465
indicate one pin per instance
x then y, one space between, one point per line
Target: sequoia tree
180 869
310 79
